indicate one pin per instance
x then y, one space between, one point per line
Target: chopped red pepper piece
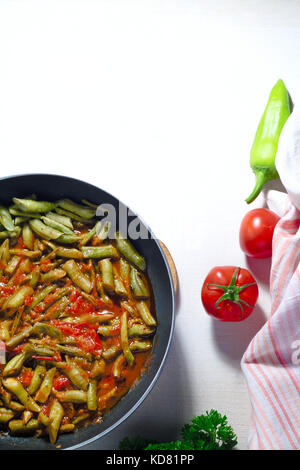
56 357
44 358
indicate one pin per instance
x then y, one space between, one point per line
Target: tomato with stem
229 293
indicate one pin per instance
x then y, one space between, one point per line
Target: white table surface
157 102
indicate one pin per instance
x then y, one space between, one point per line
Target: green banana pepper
265 145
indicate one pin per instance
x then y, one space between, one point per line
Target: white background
157 102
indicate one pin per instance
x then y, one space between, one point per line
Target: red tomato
26 376
6 291
21 244
18 279
229 293
46 265
256 233
85 334
28 300
60 383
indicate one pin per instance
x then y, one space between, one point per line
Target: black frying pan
53 187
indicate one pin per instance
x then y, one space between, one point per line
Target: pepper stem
261 179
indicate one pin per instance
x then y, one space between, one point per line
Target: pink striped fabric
271 363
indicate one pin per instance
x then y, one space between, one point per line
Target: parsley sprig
209 431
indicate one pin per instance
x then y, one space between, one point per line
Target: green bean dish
77 317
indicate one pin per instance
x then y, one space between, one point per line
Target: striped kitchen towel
271 363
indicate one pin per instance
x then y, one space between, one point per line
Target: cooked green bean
4 330
17 298
16 406
17 426
138 329
129 252
26 416
23 267
4 252
92 396
53 275
38 349
78 209
111 352
57 308
145 314
42 418
39 296
103 233
102 292
130 309
65 252
30 205
6 219
45 388
16 321
27 253
124 339
39 245
92 318
19 220
43 230
75 374
138 286
72 216
124 270
56 415
62 219
12 264
69 253
107 274
68 239
49 330
14 386
140 346
14 210
35 275
98 369
90 234
80 418
7 234
106 330
5 415
17 339
5 396
79 279
72 396
119 285
57 225
14 366
66 428
118 366
100 252
28 237
73 351
37 378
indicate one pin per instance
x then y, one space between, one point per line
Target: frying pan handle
171 265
